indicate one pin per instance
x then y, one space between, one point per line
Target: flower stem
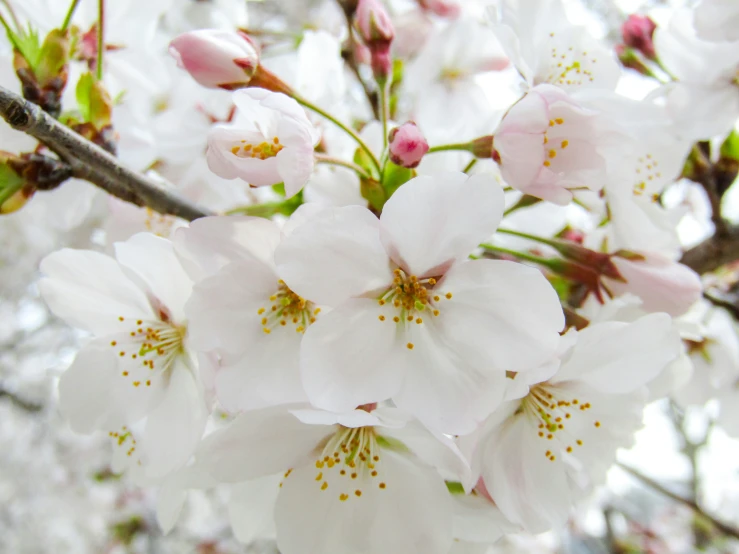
348 130
384 110
101 39
527 236
70 13
14 17
322 159
470 165
525 201
465 146
520 255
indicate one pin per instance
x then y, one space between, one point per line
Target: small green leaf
730 146
395 176
53 57
373 192
94 102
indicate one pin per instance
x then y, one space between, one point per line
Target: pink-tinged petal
264 375
211 243
84 390
175 427
350 357
529 488
259 443
334 256
618 358
441 388
251 508
89 290
411 514
154 264
521 159
662 284
430 222
502 315
527 116
224 309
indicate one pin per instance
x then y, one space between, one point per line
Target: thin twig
19 402
725 528
90 162
70 13
101 39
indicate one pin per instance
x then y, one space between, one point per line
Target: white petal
259 443
223 308
529 489
173 493
432 221
349 357
335 255
89 290
476 519
617 358
175 427
502 315
441 388
153 261
411 515
265 375
84 390
251 508
354 418
210 243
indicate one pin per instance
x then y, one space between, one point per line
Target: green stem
12 37
470 165
101 39
13 16
348 130
321 159
70 13
285 207
443 147
384 110
523 202
534 238
520 255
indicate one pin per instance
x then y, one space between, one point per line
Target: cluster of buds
637 34
43 78
22 175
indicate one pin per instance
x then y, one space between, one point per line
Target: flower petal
410 515
431 222
349 357
502 315
251 508
335 255
89 290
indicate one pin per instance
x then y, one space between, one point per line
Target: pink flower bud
374 24
215 58
637 32
407 145
662 284
443 8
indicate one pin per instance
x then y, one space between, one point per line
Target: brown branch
712 253
725 528
90 162
19 402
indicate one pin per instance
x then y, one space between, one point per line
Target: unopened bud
215 58
373 23
637 32
14 191
443 8
407 145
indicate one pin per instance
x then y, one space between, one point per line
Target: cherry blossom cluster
444 276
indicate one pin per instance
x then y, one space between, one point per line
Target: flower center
153 344
554 146
124 439
413 298
287 307
551 407
349 463
646 173
261 151
565 67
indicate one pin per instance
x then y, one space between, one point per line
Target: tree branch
725 528
90 162
712 253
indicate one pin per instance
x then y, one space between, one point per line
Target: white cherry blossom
365 482
540 452
414 320
140 364
269 141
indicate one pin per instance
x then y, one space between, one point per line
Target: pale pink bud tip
637 32
407 145
373 23
215 58
442 8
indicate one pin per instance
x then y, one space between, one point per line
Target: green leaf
373 192
11 186
730 146
394 177
53 57
94 102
